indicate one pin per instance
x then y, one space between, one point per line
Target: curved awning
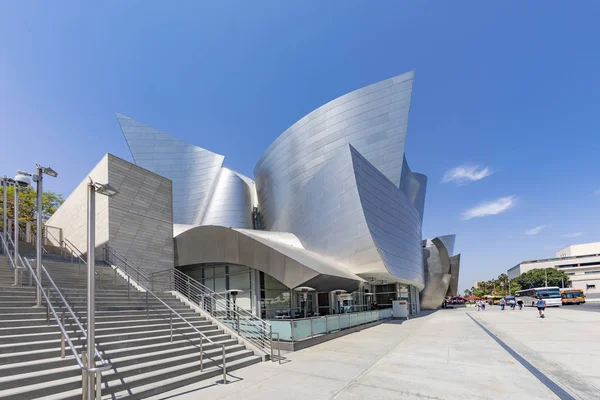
278 254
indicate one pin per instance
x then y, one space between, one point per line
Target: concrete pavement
564 345
443 355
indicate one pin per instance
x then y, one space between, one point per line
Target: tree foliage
27 205
537 278
501 286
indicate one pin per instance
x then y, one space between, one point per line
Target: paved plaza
440 355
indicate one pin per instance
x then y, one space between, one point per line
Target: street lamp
304 290
92 189
6 182
22 182
38 177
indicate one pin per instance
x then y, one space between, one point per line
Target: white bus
550 293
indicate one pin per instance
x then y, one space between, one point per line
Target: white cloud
490 208
535 231
572 235
465 174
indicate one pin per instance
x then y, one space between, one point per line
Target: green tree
468 292
537 278
27 205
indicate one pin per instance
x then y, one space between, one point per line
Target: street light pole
38 237
546 272
4 217
106 190
16 227
91 308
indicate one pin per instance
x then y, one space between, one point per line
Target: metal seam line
549 383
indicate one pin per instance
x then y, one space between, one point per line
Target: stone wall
137 222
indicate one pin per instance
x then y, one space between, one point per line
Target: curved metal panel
414 186
293 266
192 170
373 119
441 271
350 212
230 203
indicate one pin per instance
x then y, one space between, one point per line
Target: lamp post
335 294
38 237
21 181
92 189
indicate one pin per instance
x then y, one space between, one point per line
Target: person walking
511 303
482 305
520 303
502 303
477 305
541 306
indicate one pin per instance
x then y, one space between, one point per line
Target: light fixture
48 171
22 179
105 189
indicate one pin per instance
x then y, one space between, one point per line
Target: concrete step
72 328
105 341
118 357
13 327
68 388
139 346
124 368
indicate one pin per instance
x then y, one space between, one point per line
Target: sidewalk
565 345
443 355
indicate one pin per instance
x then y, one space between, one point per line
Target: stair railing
8 252
139 279
250 327
65 339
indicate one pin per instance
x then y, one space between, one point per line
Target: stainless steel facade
373 119
193 170
231 202
337 181
442 268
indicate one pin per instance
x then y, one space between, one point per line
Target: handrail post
171 318
224 367
47 307
84 375
312 333
271 341
201 355
147 311
98 385
128 286
62 337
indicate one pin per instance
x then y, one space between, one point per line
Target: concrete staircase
137 344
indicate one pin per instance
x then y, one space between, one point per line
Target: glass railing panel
284 328
344 321
333 323
301 329
320 325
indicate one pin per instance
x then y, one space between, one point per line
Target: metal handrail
264 342
172 311
64 335
73 247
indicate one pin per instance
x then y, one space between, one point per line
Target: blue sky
509 86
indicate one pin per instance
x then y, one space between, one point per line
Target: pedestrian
483 306
502 303
477 305
511 303
541 306
520 303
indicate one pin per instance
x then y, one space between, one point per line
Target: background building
441 271
580 262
